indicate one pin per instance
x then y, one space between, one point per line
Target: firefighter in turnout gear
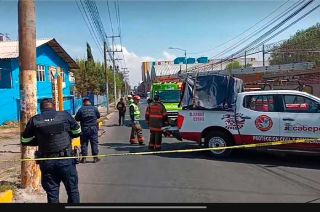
136 130
156 117
52 132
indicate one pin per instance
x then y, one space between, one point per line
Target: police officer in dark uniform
52 131
88 116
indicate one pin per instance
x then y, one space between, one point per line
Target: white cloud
134 63
168 56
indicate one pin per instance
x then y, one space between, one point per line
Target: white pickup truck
258 116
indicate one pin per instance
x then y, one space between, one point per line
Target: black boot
96 159
83 160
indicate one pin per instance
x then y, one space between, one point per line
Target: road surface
193 177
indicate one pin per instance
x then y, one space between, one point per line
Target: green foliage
89 53
295 49
233 65
90 78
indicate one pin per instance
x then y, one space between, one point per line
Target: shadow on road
268 159
122 147
142 123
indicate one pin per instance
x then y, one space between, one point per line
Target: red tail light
180 120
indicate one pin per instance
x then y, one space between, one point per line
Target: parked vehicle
250 117
170 94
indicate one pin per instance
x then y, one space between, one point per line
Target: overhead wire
237 36
89 24
262 36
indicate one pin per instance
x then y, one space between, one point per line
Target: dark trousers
89 134
136 132
155 140
121 118
53 172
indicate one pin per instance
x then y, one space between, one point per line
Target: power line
89 25
237 36
110 17
259 30
236 55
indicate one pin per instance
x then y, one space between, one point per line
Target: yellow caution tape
273 143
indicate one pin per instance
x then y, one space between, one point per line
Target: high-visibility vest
136 113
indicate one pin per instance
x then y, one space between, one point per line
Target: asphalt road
194 177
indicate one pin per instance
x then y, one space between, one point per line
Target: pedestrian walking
52 131
156 117
121 107
136 129
88 116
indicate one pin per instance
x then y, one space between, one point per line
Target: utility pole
113 65
106 72
30 173
263 55
245 59
125 81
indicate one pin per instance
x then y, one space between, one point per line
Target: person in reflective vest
51 131
130 100
136 130
156 117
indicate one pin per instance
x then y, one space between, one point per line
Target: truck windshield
170 96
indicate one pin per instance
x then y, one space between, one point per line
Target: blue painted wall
10 98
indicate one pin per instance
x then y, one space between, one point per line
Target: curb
6 196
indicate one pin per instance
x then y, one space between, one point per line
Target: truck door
300 119
260 117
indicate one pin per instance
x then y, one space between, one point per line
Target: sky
149 28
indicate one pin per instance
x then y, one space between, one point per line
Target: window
41 73
5 79
300 104
263 103
169 96
62 75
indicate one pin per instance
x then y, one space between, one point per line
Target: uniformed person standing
52 132
121 107
136 130
88 116
156 117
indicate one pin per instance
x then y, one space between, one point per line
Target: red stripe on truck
192 136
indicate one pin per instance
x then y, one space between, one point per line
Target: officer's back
87 114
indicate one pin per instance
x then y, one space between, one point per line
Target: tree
89 53
90 78
299 48
233 65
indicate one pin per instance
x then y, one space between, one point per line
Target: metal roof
170 69
10 49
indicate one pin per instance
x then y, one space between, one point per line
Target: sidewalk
10 148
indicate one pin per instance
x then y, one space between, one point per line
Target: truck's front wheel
218 139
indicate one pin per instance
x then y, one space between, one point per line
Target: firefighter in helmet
135 115
156 117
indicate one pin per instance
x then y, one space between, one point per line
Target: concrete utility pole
263 55
106 71
125 72
113 66
30 174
